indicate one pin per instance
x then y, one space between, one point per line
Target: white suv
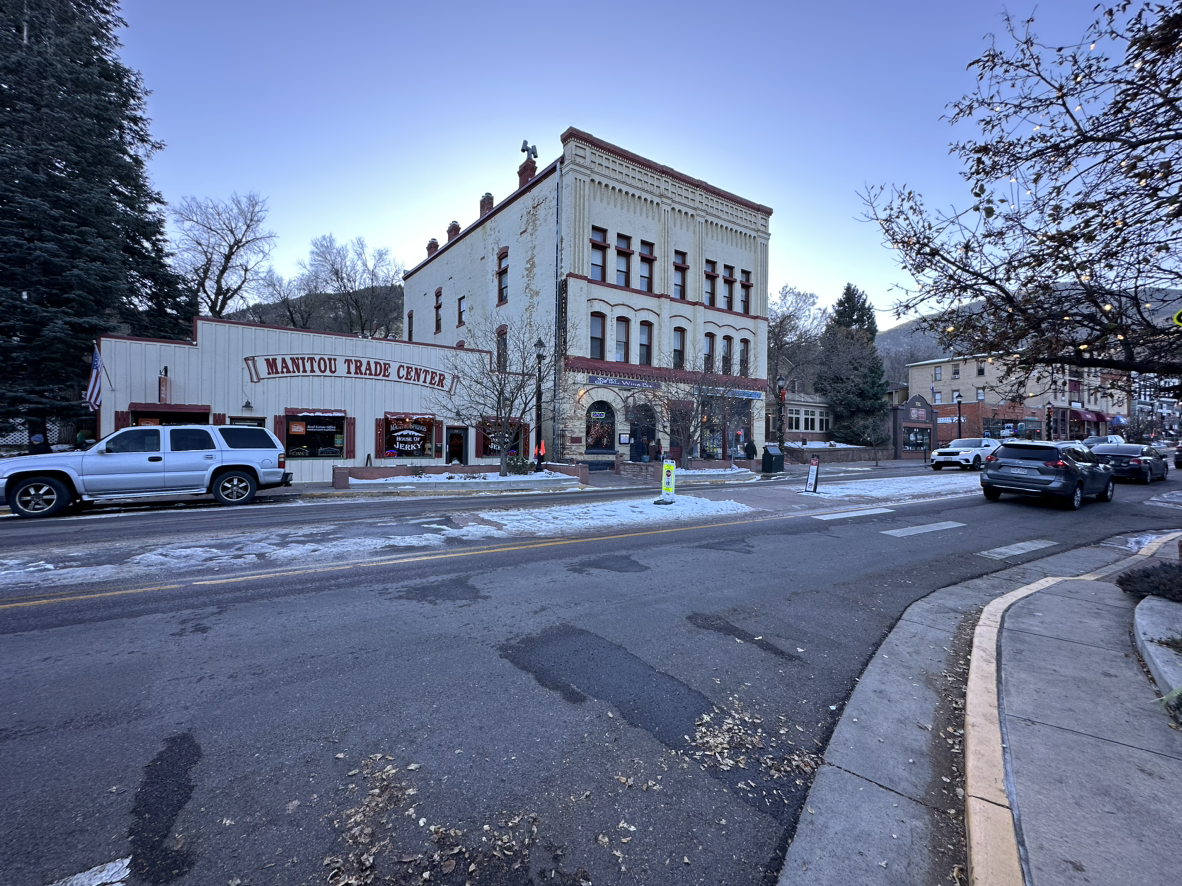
970 452
230 461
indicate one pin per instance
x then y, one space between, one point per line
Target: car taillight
282 461
991 458
1134 461
1056 464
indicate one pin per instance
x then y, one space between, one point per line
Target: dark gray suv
1068 471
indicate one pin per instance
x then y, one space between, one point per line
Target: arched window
601 427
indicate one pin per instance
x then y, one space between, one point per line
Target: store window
490 442
917 439
315 436
601 427
408 436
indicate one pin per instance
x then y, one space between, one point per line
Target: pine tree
854 311
851 376
82 237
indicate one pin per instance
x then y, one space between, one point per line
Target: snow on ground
492 477
903 488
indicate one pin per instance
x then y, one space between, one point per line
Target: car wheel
936 467
991 493
234 488
39 497
1076 499
1165 472
976 462
1108 492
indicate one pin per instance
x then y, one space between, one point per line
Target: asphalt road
632 706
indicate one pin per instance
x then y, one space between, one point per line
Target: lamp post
780 387
540 350
958 399
1047 435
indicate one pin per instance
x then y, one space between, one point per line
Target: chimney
432 247
485 205
453 231
526 171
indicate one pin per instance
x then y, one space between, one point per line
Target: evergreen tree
82 239
850 375
854 311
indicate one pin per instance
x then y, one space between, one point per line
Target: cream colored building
632 270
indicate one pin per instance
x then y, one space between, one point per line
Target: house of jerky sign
264 367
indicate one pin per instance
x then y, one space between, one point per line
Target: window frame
680 266
728 354
461 320
303 418
648 259
644 349
623 323
710 291
744 357
410 325
624 253
728 287
602 339
938 373
679 337
745 291
503 276
708 352
599 249
439 310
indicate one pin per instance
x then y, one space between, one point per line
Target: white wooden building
332 399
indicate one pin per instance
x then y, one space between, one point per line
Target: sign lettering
271 366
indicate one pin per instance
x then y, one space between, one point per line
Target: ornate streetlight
958 401
780 386
540 350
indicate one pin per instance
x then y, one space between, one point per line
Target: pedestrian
651 450
660 450
38 446
749 450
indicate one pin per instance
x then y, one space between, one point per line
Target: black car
1068 471
1133 461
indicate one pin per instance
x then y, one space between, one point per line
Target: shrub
1163 580
519 464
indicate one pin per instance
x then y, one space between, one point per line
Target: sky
388 120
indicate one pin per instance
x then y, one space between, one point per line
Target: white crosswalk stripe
113 873
844 514
1022 547
916 530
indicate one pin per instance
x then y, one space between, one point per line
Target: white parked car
969 452
1104 438
230 462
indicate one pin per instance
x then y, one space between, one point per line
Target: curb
991 836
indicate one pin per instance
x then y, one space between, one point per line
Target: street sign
668 483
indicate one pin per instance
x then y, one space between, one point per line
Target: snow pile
492 477
904 488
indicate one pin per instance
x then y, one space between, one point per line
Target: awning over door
1084 415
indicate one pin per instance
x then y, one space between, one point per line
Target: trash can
773 459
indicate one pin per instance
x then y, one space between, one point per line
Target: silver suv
1068 471
231 462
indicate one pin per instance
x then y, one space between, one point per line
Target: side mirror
101 449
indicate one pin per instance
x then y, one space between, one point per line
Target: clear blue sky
389 119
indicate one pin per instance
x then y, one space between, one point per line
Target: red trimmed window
621 340
745 291
461 308
438 311
711 283
744 357
680 266
728 347
679 348
647 258
599 254
598 321
645 344
708 356
728 287
503 276
623 261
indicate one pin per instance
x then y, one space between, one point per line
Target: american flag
94 390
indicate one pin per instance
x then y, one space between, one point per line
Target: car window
190 439
966 444
136 440
1029 453
247 438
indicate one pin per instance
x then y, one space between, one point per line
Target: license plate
1018 470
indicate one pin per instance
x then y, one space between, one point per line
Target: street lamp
957 398
780 384
540 350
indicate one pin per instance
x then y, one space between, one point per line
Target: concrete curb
991 833
1157 619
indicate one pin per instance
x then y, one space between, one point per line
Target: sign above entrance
266 367
623 382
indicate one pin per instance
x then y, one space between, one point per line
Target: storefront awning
1101 416
1084 415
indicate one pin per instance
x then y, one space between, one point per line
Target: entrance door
642 430
457 446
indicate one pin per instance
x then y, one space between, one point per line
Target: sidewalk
1074 772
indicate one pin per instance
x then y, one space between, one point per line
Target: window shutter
350 437
122 420
219 418
281 429
379 449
